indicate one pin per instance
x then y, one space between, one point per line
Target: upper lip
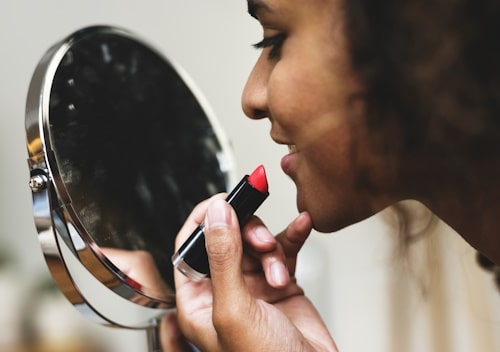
291 146
278 140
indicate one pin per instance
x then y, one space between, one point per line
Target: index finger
294 236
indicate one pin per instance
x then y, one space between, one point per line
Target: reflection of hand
140 266
251 302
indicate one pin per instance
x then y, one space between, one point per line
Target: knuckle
220 247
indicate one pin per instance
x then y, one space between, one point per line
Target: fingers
264 254
224 246
275 256
293 238
208 306
194 219
280 263
211 311
258 236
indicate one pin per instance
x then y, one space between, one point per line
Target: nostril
259 114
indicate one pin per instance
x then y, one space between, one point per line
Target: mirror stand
153 337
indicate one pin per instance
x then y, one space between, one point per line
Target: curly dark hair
434 66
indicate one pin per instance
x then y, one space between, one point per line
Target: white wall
351 276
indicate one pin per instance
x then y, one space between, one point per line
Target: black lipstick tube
191 259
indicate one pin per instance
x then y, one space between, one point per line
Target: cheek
343 180
304 110
338 179
326 183
301 100
311 105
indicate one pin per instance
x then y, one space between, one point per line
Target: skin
259 283
343 171
277 315
308 90
309 95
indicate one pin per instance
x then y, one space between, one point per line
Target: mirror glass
130 149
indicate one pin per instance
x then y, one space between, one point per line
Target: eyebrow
255 6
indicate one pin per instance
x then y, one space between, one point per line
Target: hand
252 302
140 266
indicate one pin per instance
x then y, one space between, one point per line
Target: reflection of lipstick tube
191 259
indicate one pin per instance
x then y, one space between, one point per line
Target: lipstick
191 259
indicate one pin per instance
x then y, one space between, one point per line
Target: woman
377 104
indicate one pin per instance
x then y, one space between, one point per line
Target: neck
476 219
468 201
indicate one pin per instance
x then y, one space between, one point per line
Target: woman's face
303 83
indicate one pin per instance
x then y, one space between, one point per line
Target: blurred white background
368 298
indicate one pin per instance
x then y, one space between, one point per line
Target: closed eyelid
275 42
271 41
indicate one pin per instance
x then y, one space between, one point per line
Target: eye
275 43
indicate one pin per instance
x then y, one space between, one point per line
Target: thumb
225 252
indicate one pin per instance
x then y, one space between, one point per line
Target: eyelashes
275 43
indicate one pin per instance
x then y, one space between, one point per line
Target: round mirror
121 147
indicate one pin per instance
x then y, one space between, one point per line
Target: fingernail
218 214
279 274
263 235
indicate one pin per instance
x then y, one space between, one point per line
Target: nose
254 99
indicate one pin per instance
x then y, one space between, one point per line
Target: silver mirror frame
82 272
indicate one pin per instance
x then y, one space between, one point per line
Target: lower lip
287 161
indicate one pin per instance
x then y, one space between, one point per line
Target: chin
326 219
329 225
321 221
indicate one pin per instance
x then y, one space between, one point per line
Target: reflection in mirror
127 147
134 147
